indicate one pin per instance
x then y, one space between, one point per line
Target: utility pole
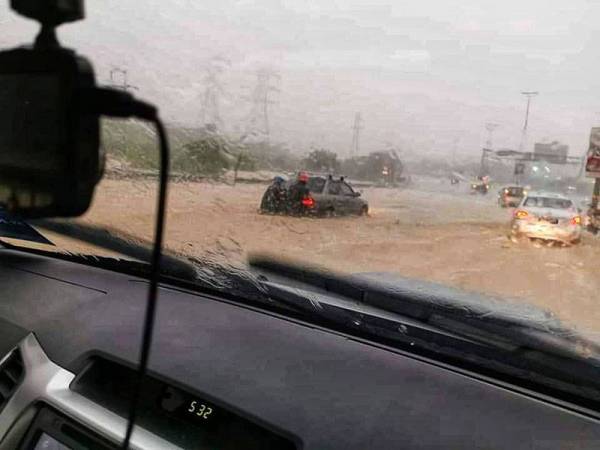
490 127
483 168
529 95
354 150
259 114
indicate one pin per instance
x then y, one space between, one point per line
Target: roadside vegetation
197 152
206 152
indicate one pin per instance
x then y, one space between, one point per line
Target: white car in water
546 216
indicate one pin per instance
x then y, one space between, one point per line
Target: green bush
210 155
130 141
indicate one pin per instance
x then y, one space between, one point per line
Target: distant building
553 152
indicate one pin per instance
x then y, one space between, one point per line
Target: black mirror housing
50 159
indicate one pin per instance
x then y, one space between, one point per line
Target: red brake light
520 214
308 202
576 220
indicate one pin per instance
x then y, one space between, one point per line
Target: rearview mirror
49 152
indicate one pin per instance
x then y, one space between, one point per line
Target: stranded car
548 217
336 197
326 197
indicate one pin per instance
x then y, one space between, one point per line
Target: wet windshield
421 112
548 202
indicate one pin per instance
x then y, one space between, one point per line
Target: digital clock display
197 408
186 419
190 408
217 427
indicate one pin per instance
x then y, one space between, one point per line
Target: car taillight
576 220
520 214
308 202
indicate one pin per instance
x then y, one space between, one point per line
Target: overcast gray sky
423 74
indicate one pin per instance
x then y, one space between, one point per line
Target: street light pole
529 95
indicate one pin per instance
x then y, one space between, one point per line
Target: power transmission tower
356 135
529 95
210 112
260 98
118 79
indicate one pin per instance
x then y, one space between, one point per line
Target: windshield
421 112
548 202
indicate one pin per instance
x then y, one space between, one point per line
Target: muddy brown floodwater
426 231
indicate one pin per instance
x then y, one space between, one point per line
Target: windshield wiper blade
512 338
520 344
479 317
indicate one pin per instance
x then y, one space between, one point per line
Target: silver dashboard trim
49 383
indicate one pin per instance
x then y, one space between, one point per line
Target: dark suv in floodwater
326 197
335 197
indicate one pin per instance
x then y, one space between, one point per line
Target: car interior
105 353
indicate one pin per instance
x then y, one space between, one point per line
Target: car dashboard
227 375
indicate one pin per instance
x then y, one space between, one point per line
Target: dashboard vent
11 375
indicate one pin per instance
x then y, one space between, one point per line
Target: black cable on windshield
150 313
